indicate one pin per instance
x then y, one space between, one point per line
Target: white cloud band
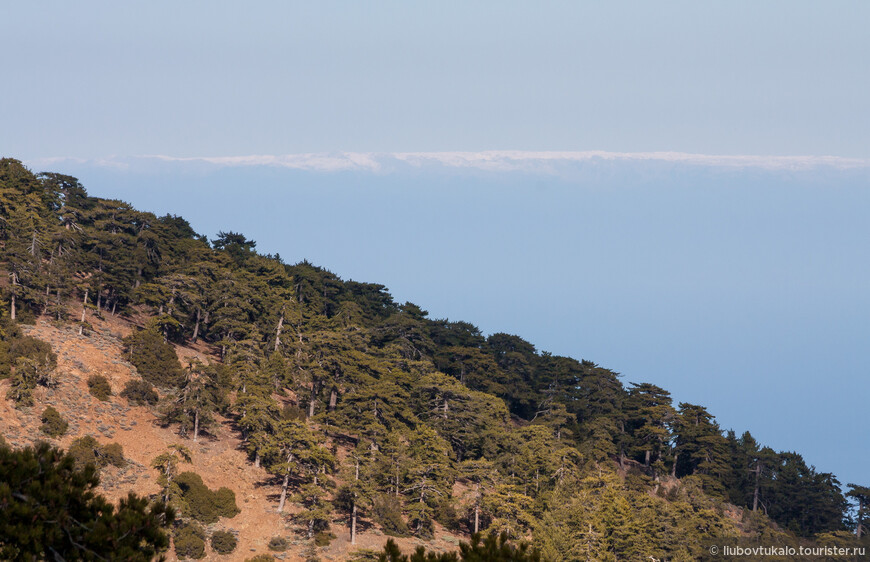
490 160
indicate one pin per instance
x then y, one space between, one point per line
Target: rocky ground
218 459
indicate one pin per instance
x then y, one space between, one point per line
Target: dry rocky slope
218 459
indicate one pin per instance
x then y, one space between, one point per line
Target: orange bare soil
218 459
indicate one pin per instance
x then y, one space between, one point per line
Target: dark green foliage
224 501
387 512
278 544
99 387
140 393
491 549
189 540
223 542
203 504
51 511
53 424
154 359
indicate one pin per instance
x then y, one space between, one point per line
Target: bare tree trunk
195 425
313 400
755 493
860 518
257 459
114 304
84 309
353 525
674 468
278 332
14 283
196 327
333 399
284 492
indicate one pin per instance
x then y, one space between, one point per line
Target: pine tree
51 511
167 465
429 477
861 494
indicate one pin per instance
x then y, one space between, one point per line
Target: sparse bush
154 359
140 393
363 555
261 558
278 544
113 454
190 541
98 385
387 512
32 348
223 542
30 362
86 450
323 538
53 424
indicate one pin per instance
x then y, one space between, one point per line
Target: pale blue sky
740 285
217 78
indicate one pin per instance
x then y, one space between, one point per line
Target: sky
675 190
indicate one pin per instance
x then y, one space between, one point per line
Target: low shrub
278 544
261 558
53 424
113 454
203 504
140 393
32 348
190 541
197 497
224 501
99 387
223 542
86 450
323 538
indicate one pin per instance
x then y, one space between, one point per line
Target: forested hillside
368 414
